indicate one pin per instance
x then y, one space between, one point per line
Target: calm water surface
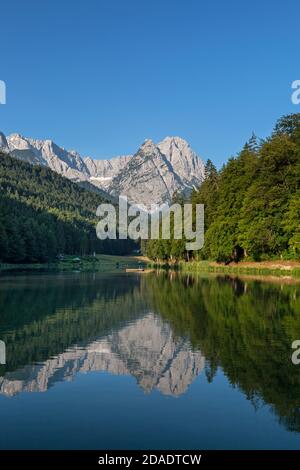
99 361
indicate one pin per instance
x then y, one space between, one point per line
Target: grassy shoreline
101 263
112 263
265 268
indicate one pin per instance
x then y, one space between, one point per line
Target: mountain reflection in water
162 329
145 349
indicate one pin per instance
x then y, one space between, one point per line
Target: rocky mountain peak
175 148
152 175
147 148
17 141
188 166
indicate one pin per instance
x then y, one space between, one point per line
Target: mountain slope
103 171
152 175
43 214
147 178
3 142
66 163
185 163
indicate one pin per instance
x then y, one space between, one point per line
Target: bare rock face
151 176
185 163
156 172
66 163
3 143
102 172
147 178
146 349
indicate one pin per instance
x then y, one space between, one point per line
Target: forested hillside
43 214
252 205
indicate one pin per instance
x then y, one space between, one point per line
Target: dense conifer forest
252 205
43 214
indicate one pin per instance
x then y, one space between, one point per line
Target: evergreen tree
252 205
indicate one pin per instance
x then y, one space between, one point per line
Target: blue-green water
148 362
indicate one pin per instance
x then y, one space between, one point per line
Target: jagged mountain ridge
152 175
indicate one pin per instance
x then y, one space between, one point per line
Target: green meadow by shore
99 263
111 263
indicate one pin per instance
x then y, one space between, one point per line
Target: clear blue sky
101 76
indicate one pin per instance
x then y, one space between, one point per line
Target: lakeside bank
274 267
99 263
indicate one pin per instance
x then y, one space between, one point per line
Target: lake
148 361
